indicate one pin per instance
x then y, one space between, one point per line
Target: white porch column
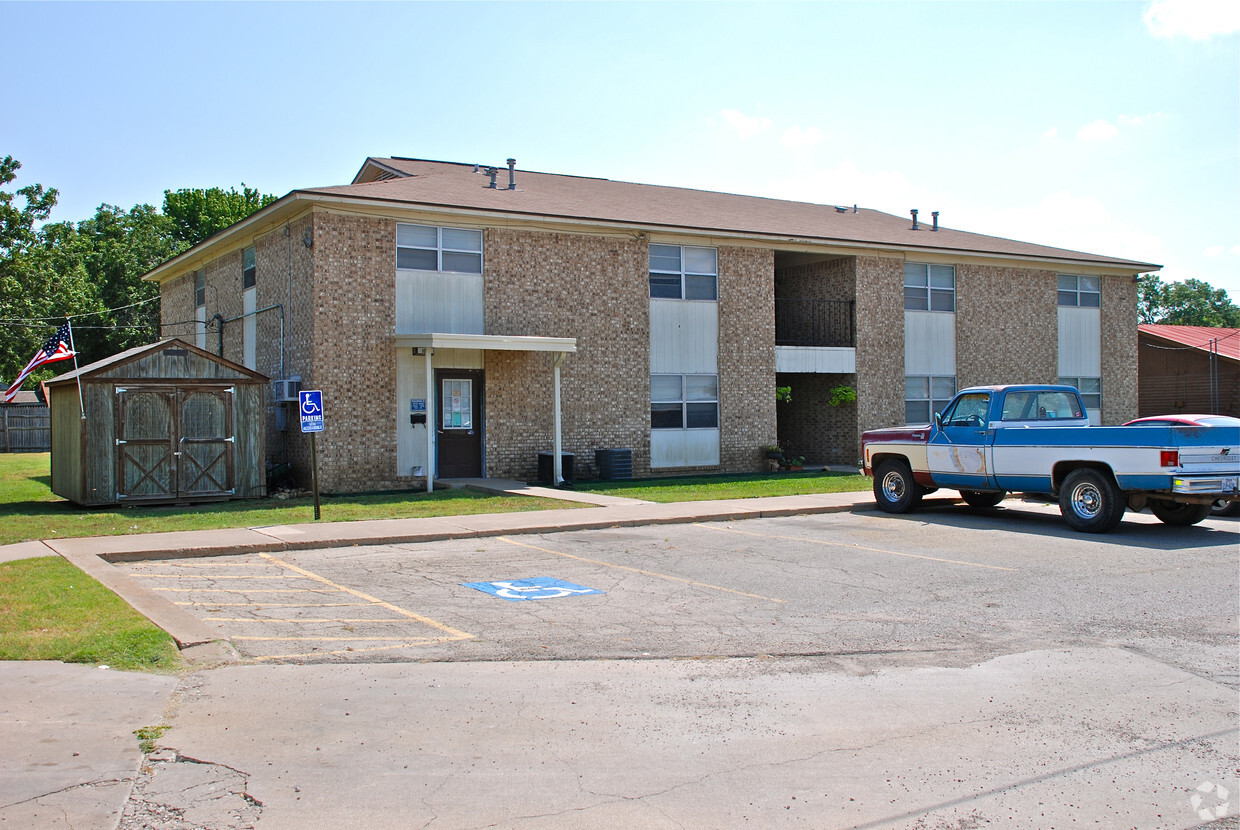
557 460
431 420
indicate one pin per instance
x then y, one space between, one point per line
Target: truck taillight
1169 458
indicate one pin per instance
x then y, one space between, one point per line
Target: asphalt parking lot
947 669
943 586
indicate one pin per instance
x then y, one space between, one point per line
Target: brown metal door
145 460
205 443
459 423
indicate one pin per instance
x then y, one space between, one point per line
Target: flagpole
72 348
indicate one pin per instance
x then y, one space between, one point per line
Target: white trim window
925 395
200 289
684 401
681 272
929 287
249 270
1090 389
1080 292
427 248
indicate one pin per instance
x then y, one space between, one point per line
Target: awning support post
557 463
431 420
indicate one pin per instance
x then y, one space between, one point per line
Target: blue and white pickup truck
1035 439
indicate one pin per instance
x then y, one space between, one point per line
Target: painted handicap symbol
540 587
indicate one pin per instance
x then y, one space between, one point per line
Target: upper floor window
200 289
679 272
684 401
249 272
929 287
925 395
427 248
1085 292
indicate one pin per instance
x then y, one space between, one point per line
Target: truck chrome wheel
1090 501
895 491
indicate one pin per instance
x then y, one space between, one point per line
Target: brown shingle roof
451 185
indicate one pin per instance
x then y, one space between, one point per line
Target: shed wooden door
205 454
174 444
145 424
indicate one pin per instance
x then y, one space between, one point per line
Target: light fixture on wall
307 238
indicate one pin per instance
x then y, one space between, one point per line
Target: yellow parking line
249 591
850 546
279 604
452 632
639 571
303 620
217 576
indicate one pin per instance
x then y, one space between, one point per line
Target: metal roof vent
914 212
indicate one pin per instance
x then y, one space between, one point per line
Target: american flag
56 348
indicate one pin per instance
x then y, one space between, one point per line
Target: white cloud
1196 19
1234 250
744 125
1099 130
798 137
1213 250
1052 134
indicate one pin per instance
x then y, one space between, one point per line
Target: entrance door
459 423
206 444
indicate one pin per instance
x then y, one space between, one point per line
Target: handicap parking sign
311 408
540 587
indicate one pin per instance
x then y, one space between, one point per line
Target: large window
200 289
1090 389
929 287
925 395
249 272
1084 292
684 401
426 248
683 273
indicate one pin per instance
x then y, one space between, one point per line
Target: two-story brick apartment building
463 319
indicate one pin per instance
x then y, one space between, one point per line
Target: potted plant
794 463
773 452
841 395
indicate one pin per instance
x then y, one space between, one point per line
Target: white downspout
431 420
557 460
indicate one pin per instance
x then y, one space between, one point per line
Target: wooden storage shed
163 423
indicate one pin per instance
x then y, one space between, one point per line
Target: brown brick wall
1119 349
176 309
1007 326
567 285
746 357
880 342
834 279
809 427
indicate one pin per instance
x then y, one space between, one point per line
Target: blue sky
1109 127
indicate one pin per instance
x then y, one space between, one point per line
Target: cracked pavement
951 669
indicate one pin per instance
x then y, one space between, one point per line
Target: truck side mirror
938 419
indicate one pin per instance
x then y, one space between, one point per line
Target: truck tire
894 487
1091 501
1225 508
978 498
1179 513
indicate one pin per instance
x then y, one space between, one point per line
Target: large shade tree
1188 303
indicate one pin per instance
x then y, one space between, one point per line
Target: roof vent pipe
914 212
492 172
935 214
512 174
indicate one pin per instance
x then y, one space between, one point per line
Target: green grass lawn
50 610
702 488
29 510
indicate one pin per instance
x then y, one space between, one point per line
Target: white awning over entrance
426 344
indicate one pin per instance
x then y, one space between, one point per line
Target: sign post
310 404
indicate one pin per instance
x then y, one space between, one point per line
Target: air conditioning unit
286 389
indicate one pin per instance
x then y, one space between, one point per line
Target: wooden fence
25 429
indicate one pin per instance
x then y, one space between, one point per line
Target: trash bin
614 464
546 464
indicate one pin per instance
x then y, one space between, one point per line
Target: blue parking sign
310 404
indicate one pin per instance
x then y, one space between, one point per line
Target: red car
1221 508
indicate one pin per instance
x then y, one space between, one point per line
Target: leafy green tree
1189 303
197 214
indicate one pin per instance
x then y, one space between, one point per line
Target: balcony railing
805 322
